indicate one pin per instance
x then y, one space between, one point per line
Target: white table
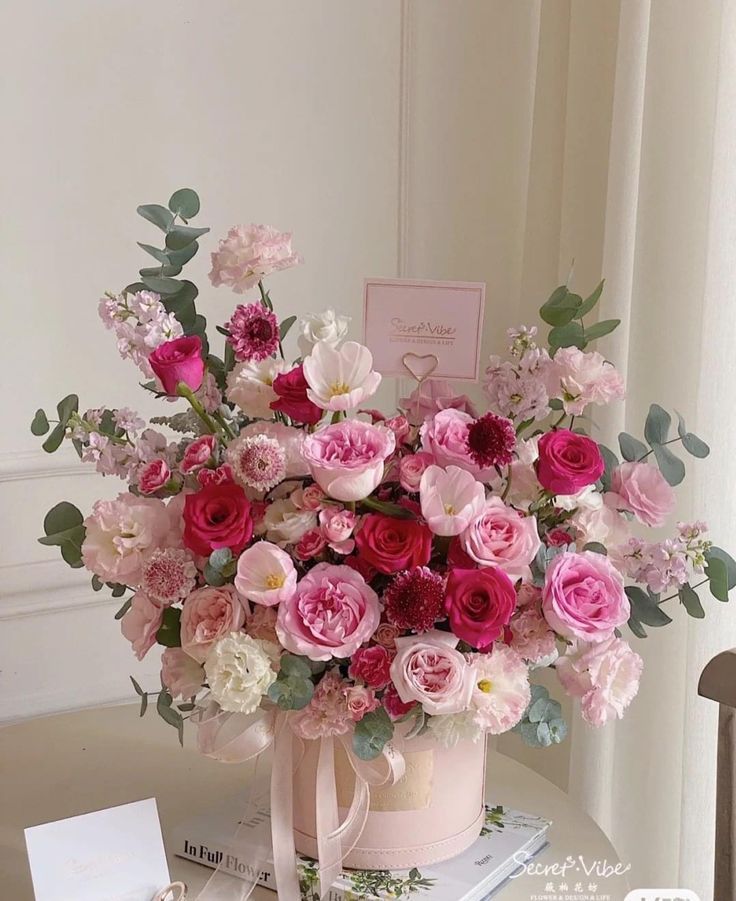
61 766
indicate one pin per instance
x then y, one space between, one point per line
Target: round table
60 766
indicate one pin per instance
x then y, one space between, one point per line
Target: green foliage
631 448
293 688
169 633
220 567
184 203
40 424
124 609
610 461
690 601
65 408
645 610
565 311
285 326
64 528
542 724
372 733
168 714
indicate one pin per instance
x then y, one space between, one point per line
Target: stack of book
508 840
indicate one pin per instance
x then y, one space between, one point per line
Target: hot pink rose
333 612
198 453
391 544
141 623
395 707
310 545
499 536
411 470
347 459
209 614
180 673
291 389
558 538
360 700
177 361
445 438
153 476
217 516
429 669
568 462
644 491
583 596
371 665
479 603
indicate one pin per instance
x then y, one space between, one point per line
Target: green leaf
561 307
611 462
596 547
156 214
144 705
291 693
636 627
71 553
671 466
169 634
40 424
138 690
159 272
64 522
184 203
220 558
372 733
67 406
124 609
644 609
285 326
657 425
690 601
718 553
695 446
589 302
179 236
605 327
97 583
570 335
157 254
184 310
162 285
181 257
631 448
213 576
717 572
293 665
53 442
118 590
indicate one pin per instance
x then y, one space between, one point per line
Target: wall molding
403 138
21 465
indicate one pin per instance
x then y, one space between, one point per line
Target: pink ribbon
236 738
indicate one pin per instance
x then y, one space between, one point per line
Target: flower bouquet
378 589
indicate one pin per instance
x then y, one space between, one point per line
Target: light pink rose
360 700
400 426
585 378
411 469
450 499
499 536
310 498
429 669
337 526
347 459
180 673
583 596
604 675
208 614
198 453
445 437
153 476
644 491
333 612
432 396
141 623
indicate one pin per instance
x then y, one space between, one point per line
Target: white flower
501 692
451 498
450 728
266 574
239 672
249 386
285 524
340 379
586 499
602 524
326 326
585 378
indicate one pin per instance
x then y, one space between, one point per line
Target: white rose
249 386
239 671
285 524
327 326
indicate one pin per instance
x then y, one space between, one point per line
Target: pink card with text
416 321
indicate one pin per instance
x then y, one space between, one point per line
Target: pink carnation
198 453
153 476
531 636
327 713
248 254
371 665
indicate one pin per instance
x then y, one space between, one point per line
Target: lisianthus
248 254
327 326
250 386
239 671
500 689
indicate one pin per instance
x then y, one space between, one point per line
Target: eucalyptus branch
677 594
649 452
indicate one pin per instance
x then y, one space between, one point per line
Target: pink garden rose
644 491
360 700
445 438
333 612
141 622
583 596
347 459
411 469
568 462
198 453
337 526
248 254
371 665
585 378
429 669
479 603
208 614
180 673
499 536
605 676
177 361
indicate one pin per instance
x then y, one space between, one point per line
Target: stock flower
327 326
265 574
240 671
141 622
491 440
179 360
217 516
180 673
340 378
140 323
450 499
515 392
169 575
479 603
501 690
390 544
347 459
499 536
583 596
371 665
198 453
248 254
333 612
414 599
605 676
568 462
208 614
250 386
643 490
254 332
291 389
429 669
256 461
585 378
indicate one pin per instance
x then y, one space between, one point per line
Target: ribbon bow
236 738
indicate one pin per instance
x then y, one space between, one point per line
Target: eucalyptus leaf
610 461
293 665
570 335
124 609
636 627
184 203
162 285
695 446
657 425
589 303
157 214
167 271
144 705
40 424
169 633
631 448
717 572
63 522
670 465
561 307
160 255
644 609
138 690
372 733
690 601
718 553
220 557
182 257
605 327
213 576
285 326
180 236
97 583
596 547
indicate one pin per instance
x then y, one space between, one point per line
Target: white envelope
109 855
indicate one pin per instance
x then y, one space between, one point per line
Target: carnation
240 671
327 713
254 332
248 254
585 378
449 729
414 599
501 690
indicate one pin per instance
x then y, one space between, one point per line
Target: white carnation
239 671
448 729
327 326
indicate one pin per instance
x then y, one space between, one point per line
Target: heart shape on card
421 366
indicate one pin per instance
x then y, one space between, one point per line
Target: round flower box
433 813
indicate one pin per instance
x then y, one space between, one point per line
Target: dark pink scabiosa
254 332
491 440
257 461
169 575
414 599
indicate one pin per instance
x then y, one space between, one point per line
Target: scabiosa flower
169 576
257 461
414 599
491 440
254 332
